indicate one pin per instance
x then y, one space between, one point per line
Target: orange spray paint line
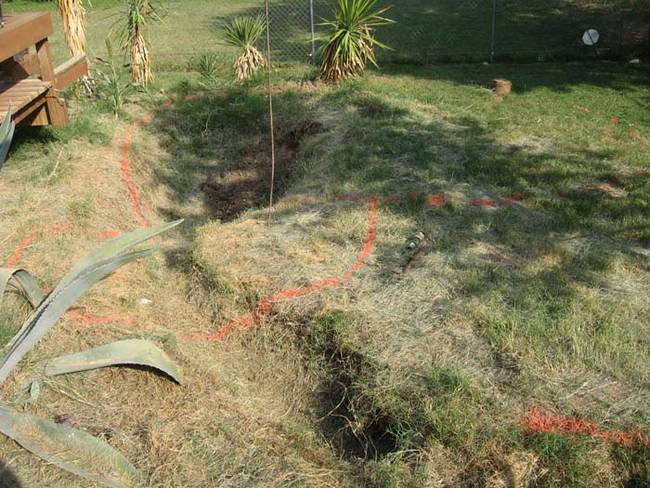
265 306
542 421
127 176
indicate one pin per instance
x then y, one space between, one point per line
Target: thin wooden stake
270 95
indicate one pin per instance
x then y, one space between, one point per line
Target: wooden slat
23 30
20 94
71 70
33 114
45 60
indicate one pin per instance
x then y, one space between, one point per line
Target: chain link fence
425 30
477 30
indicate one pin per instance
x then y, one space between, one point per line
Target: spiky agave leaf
130 351
20 281
69 449
106 250
350 44
97 265
6 135
244 33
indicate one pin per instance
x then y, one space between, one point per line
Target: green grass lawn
188 28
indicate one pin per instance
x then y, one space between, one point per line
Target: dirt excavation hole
245 186
347 412
354 426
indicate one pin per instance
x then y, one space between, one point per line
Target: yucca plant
244 33
350 43
73 16
6 135
139 14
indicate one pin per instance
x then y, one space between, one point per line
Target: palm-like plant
350 43
139 13
244 32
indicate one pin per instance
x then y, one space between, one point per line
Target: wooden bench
29 85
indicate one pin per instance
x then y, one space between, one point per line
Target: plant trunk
141 71
248 63
73 16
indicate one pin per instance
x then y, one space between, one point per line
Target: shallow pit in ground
247 185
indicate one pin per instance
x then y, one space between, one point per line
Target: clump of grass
110 81
244 33
208 65
635 464
80 209
569 461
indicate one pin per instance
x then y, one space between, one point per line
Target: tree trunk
73 15
140 60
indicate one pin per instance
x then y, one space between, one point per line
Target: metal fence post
494 30
313 35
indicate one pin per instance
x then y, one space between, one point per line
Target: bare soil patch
234 191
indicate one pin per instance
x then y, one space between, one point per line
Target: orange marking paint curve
483 202
265 306
31 237
108 234
542 421
127 176
20 248
437 200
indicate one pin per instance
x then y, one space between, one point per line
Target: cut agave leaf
53 297
45 316
20 281
113 247
6 135
69 449
130 351
95 266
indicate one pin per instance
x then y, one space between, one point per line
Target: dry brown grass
238 420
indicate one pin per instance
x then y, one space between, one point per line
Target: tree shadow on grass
7 477
534 257
218 145
219 148
559 77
